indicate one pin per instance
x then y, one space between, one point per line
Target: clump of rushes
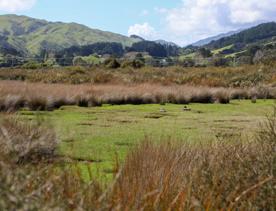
38 96
25 142
210 176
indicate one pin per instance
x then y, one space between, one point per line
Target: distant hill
155 49
252 35
29 36
244 45
137 37
166 43
214 38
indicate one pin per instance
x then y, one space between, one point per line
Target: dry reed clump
222 96
23 141
218 175
37 96
30 177
44 187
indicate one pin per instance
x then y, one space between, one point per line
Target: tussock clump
37 103
43 187
222 97
239 94
57 102
267 132
11 103
202 96
16 95
23 141
182 99
226 176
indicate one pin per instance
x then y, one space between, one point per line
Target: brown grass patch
38 96
24 141
242 76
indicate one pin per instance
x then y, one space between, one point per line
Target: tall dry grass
219 175
23 141
37 96
241 76
226 176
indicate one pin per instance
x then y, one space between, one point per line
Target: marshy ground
99 136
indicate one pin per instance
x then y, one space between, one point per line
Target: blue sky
107 15
103 14
180 21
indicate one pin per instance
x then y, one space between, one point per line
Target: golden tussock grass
38 96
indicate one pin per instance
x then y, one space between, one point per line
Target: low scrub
242 76
38 96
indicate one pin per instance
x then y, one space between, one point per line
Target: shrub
136 63
32 65
219 61
112 63
79 61
188 62
205 53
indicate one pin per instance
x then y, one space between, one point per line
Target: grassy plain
99 136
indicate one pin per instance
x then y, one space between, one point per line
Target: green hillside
29 35
244 44
255 34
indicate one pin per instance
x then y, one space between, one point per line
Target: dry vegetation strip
242 76
37 96
225 175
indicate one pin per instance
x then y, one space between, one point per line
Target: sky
179 21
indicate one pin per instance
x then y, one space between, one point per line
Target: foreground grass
229 174
101 135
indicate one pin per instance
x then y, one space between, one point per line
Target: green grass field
99 135
217 51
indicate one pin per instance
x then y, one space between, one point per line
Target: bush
112 63
79 61
205 53
136 63
188 62
219 62
32 65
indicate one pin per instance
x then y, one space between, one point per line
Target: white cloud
197 19
144 30
16 5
